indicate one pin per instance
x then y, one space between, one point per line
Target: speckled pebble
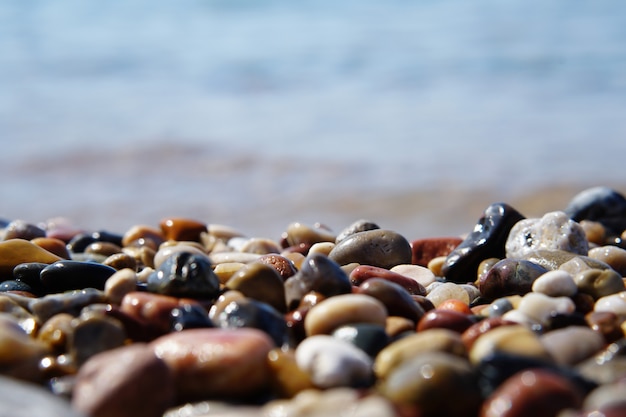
553 231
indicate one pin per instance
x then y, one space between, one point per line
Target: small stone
556 259
103 248
18 251
332 362
325 317
287 378
509 277
555 284
281 264
370 338
425 250
533 392
189 316
445 319
572 344
217 363
515 339
20 399
56 332
150 308
382 248
395 298
261 282
143 234
94 334
185 274
599 204
52 245
299 233
261 246
606 324
356 227
19 229
167 250
182 229
540 307
476 330
119 284
554 231
129 381
67 275
435 384
614 303
423 276
599 283
485 241
397 353
320 274
448 291
121 261
609 395
20 354
217 258
70 302
362 273
611 255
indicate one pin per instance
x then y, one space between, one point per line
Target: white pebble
447 291
418 273
541 307
332 362
614 303
555 284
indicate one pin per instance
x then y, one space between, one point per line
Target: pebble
119 284
118 382
20 354
425 250
382 248
600 204
333 312
434 384
189 316
572 344
185 274
515 339
560 259
614 303
299 233
150 308
540 307
423 276
165 251
362 273
553 231
216 363
18 251
599 283
93 334
285 268
52 245
261 282
67 275
509 277
445 319
332 362
533 392
555 284
486 240
318 273
447 291
361 225
182 229
611 255
19 229
370 338
395 298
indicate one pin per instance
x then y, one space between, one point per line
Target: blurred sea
414 114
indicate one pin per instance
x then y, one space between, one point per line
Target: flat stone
325 317
382 248
68 275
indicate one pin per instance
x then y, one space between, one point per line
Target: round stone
333 312
599 204
396 299
611 255
332 362
509 277
614 303
281 264
572 344
363 273
447 291
185 274
425 250
555 284
356 227
261 282
515 339
540 307
300 233
382 248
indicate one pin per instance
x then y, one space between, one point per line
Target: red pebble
362 273
425 250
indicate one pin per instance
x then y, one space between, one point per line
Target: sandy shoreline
118 188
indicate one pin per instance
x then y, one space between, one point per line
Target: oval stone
485 241
261 282
555 284
572 344
611 255
216 363
356 227
509 277
320 274
362 273
182 229
396 299
69 275
599 283
185 274
515 339
599 204
333 312
370 338
382 248
281 264
445 319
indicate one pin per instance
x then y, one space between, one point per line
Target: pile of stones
522 316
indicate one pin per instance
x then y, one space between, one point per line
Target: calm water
120 110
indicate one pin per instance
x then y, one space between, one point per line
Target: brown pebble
395 325
607 324
17 251
52 245
362 273
145 235
179 228
129 381
444 319
424 250
103 248
287 378
283 265
121 261
152 308
473 332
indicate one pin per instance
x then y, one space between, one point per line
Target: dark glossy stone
599 204
30 273
249 313
487 240
79 242
190 316
185 274
494 369
561 321
182 229
382 248
396 299
370 338
13 285
318 273
261 282
356 227
69 275
509 277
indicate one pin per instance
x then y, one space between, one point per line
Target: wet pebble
332 362
555 284
486 240
611 255
67 275
422 275
181 229
382 248
614 303
299 233
361 225
573 344
425 250
395 298
185 274
445 319
328 315
509 277
20 354
216 363
261 282
362 273
515 339
18 251
599 283
189 316
600 204
447 291
281 264
118 383
19 229
540 307
370 338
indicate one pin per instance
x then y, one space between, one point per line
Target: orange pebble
455 305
